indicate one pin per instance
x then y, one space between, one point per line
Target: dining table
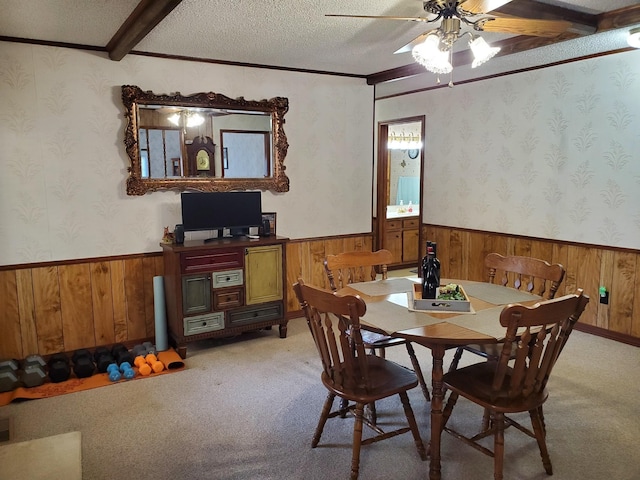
390 311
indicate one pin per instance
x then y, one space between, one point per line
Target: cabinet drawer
211 260
394 224
410 223
229 298
229 278
262 313
204 323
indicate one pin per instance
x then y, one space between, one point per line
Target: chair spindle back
538 333
525 273
352 267
334 322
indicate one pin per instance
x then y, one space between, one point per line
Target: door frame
382 178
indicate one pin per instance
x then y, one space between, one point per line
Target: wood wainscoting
62 306
305 259
461 253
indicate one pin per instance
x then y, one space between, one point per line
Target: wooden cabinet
401 239
224 287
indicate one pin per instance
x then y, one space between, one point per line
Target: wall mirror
204 142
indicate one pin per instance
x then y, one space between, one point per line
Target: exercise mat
171 360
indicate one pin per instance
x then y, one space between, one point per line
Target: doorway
400 179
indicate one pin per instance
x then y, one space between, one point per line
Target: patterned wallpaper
551 153
63 162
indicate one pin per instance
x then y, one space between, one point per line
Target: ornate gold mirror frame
137 184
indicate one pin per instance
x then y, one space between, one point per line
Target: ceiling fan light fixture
634 37
175 119
482 52
429 55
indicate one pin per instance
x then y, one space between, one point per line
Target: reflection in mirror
246 154
204 142
404 169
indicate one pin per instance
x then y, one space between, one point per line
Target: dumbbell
156 365
121 354
114 372
151 348
59 369
127 371
143 367
83 365
139 350
103 358
33 371
8 375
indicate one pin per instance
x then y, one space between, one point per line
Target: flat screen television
237 211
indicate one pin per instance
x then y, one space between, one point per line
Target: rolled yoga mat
162 343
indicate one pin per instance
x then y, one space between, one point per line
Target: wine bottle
430 274
435 259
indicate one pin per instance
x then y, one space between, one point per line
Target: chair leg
357 441
541 413
538 429
326 409
418 370
344 407
498 445
448 409
486 420
373 414
456 359
408 411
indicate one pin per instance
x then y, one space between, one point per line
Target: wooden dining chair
528 274
539 334
357 266
348 372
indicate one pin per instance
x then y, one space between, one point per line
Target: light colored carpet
58 457
246 408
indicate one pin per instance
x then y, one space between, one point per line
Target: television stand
220 234
224 287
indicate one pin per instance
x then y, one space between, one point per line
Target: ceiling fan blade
477 7
383 17
525 26
409 46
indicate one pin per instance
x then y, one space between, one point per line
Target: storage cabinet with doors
224 287
401 239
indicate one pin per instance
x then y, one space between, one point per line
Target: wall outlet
604 295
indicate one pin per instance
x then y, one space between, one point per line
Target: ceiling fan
433 49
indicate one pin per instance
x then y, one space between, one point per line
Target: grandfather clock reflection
201 154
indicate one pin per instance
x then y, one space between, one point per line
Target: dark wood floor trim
611 335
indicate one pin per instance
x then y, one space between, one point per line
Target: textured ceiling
283 33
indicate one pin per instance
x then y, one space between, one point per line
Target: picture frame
271 217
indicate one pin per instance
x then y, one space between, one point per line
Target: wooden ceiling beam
142 20
582 23
620 18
